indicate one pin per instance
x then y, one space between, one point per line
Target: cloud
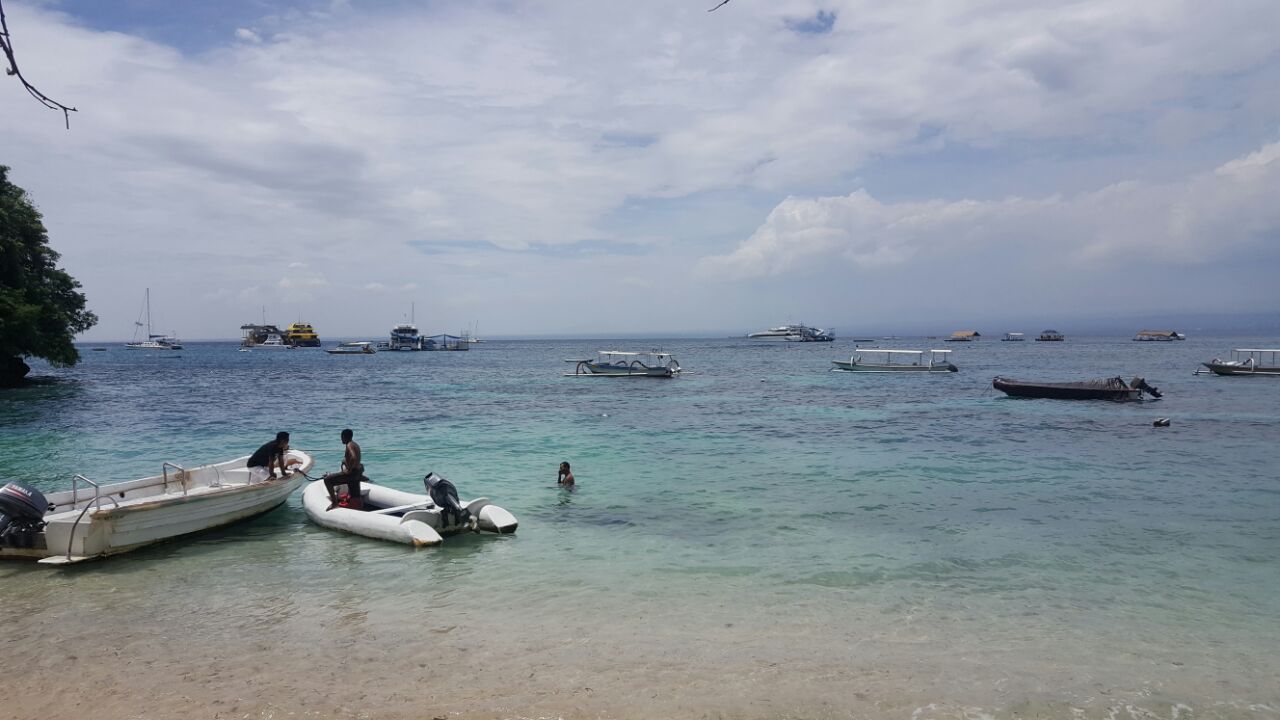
1195 221
349 139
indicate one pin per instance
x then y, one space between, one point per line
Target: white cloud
1194 221
353 140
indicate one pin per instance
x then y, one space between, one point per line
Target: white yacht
153 341
793 333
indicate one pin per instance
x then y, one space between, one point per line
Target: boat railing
98 499
182 475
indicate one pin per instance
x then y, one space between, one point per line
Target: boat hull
416 522
1065 391
129 515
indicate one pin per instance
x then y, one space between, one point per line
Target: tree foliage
41 309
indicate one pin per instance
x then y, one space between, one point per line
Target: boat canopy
1158 333
966 333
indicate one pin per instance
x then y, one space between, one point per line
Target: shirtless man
351 474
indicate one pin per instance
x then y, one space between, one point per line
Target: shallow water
761 538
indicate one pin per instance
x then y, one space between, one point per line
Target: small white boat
616 363
352 348
1013 337
1247 361
273 342
880 360
399 516
92 520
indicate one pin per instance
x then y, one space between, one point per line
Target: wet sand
109 653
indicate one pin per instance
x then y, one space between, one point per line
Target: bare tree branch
6 44
717 7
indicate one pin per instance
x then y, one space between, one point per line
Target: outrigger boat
403 517
616 363
1104 389
880 360
1247 361
92 520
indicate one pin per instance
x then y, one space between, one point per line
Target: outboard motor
22 510
445 496
1141 384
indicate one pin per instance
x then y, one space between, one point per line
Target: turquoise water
760 538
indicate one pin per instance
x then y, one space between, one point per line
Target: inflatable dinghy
403 517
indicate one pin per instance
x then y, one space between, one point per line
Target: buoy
1161 422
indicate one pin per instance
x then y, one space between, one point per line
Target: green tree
40 308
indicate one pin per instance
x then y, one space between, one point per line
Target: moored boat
1102 389
302 335
1013 337
964 336
618 363
1247 361
1051 336
362 347
92 520
403 517
797 332
153 341
1158 336
880 360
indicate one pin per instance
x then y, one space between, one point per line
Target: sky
594 167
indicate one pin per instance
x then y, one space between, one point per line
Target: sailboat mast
147 302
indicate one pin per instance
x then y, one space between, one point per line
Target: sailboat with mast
153 341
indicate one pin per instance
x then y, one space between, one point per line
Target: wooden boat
399 516
1247 361
964 336
1104 389
879 360
92 520
616 363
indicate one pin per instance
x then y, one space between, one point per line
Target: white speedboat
352 348
399 516
793 333
880 360
92 520
273 342
616 363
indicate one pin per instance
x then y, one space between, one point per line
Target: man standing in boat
351 474
263 462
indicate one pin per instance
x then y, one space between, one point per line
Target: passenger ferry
405 337
301 334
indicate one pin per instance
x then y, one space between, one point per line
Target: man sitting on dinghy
351 474
263 462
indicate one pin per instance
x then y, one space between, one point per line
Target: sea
759 538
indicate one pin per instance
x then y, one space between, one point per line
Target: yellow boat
301 334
